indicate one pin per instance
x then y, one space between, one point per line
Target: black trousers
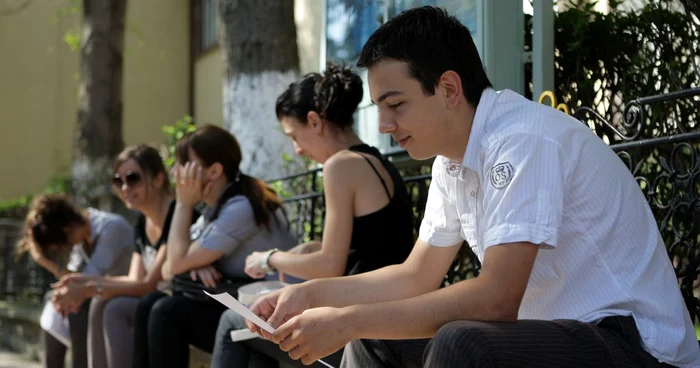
55 351
614 342
165 326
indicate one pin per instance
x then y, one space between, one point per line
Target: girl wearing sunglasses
99 244
243 215
141 182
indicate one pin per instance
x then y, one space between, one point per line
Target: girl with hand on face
243 215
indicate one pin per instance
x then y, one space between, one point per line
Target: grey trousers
614 342
111 333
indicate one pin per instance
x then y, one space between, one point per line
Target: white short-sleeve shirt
533 174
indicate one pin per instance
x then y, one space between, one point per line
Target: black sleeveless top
384 237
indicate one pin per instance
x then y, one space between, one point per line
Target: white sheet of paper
231 302
242 335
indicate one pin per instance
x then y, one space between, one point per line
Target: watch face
266 262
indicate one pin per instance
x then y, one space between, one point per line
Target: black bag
182 284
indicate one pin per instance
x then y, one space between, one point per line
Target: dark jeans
55 351
235 354
165 326
614 342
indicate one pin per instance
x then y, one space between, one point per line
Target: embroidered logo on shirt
501 175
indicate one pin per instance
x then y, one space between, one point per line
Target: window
349 23
204 27
208 25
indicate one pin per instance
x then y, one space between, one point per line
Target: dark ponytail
213 144
334 95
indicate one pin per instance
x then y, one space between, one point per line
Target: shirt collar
471 155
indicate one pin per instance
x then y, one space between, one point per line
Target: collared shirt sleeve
234 225
440 226
523 181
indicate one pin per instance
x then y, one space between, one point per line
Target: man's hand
279 306
188 179
209 276
314 334
253 265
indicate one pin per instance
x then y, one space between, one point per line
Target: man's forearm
423 315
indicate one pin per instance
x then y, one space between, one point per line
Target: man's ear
315 121
450 86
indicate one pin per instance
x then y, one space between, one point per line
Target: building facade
174 66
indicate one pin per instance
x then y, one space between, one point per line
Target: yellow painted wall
38 84
156 70
208 88
209 67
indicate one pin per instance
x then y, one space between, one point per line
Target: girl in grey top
100 244
243 215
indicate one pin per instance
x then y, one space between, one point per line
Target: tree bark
258 39
99 126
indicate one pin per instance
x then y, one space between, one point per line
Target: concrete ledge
19 328
198 358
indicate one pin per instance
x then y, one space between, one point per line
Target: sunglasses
131 179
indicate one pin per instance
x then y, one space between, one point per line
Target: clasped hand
70 292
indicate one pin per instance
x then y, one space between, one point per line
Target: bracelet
265 263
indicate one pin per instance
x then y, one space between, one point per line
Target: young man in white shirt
574 270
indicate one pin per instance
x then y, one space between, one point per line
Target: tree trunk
258 38
99 126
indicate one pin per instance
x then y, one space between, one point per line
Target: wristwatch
265 263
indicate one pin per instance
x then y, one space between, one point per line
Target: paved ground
12 360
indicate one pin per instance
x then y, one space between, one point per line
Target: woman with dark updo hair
364 196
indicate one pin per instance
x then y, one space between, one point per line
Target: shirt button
473 193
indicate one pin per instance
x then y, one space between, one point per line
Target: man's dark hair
430 42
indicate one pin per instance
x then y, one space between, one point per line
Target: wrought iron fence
23 278
658 137
304 204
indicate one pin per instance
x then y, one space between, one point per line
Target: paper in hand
231 302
